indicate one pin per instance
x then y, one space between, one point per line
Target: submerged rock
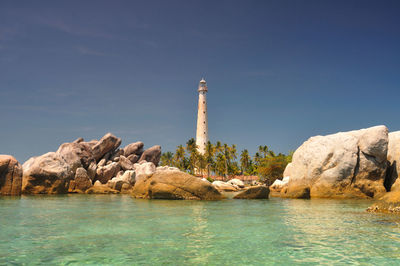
343 165
175 185
259 192
10 176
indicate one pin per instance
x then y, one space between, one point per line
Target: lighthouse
202 123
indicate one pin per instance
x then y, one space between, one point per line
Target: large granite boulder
343 165
258 192
152 154
46 174
10 176
175 185
107 144
133 149
76 154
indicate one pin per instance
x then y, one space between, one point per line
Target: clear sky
278 72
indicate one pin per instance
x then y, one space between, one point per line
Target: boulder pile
76 166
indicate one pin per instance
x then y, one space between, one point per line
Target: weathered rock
259 192
144 170
133 158
91 170
108 143
76 154
169 168
102 162
236 182
129 177
99 188
392 182
342 165
223 186
105 173
134 149
46 174
152 154
125 163
78 140
126 188
116 155
10 176
82 180
115 183
390 202
174 185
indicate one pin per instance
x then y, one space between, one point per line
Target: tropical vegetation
222 160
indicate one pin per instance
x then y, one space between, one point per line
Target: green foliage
210 179
221 159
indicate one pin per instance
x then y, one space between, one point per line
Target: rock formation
75 166
342 165
10 176
174 184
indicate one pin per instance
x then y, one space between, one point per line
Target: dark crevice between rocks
357 167
391 175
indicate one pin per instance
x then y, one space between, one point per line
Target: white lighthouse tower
202 123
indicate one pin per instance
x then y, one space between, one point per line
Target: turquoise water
116 229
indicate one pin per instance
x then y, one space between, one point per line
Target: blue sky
278 72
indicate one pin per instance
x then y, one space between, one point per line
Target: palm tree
244 160
263 150
227 156
209 156
179 157
191 147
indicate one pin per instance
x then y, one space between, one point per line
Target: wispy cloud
74 29
88 51
8 32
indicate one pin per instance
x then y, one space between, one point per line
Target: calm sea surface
116 229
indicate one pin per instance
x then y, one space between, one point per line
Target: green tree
167 158
209 156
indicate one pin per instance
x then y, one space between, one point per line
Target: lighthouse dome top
203 86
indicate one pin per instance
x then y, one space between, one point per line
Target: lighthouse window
204 101
204 112
204 122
